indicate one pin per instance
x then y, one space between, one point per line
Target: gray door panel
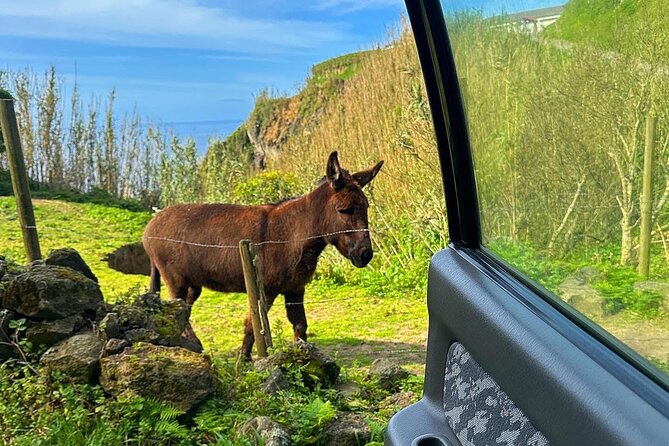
566 394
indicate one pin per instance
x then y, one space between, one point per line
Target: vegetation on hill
617 25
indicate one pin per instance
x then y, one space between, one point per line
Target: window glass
569 124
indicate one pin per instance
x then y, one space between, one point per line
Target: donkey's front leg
295 313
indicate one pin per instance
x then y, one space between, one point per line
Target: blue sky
180 61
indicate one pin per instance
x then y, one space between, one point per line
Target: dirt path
649 337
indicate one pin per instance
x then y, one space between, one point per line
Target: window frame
462 207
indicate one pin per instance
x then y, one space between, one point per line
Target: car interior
507 361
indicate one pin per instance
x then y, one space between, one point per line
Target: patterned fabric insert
478 411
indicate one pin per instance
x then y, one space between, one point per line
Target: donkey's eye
346 211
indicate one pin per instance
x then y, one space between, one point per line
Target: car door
507 361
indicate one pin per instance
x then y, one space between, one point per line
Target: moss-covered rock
52 292
347 429
387 374
70 258
76 357
314 365
173 375
149 319
6 349
49 333
109 326
8 271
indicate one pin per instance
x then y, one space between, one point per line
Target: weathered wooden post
17 170
647 197
262 299
255 292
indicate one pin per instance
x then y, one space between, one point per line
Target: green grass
92 229
348 319
342 313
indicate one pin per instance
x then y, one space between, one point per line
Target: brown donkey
195 245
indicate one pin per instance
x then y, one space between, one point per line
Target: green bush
266 187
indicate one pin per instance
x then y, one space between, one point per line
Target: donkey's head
345 213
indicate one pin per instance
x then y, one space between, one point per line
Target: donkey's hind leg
176 287
193 293
247 344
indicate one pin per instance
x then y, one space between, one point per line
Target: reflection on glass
570 130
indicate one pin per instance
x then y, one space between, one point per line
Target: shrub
266 187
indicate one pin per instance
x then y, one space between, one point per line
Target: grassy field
355 316
349 321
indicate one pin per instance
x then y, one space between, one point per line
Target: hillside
275 118
514 111
607 24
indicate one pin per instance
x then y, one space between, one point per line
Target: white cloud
162 23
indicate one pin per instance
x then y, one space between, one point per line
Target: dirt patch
649 337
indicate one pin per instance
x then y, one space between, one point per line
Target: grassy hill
607 24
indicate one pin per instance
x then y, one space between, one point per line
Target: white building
536 19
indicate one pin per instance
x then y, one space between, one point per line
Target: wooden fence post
262 299
647 197
255 292
17 170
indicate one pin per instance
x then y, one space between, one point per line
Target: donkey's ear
364 177
333 171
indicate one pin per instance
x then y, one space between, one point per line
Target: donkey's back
196 245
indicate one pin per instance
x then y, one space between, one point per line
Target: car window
567 115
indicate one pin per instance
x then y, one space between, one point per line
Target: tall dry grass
383 114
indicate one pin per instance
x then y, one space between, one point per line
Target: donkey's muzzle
363 258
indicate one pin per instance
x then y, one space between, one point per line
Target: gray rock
142 335
115 346
583 297
173 375
348 389
275 382
49 333
315 366
388 375
52 292
265 364
70 258
132 316
661 288
6 349
3 267
398 400
76 357
149 319
348 429
129 259
109 326
268 431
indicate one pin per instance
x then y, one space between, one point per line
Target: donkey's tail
154 286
